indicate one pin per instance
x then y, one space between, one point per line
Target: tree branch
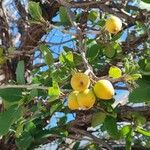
94 138
104 8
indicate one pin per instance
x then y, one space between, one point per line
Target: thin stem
29 87
24 87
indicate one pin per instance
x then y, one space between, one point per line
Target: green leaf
112 49
110 124
19 130
146 1
143 132
147 67
64 16
76 146
127 67
20 72
55 107
138 118
125 130
67 58
48 57
67 49
141 93
62 120
134 77
117 36
93 15
33 93
77 59
60 74
54 91
145 73
31 127
8 117
141 120
93 49
7 104
11 94
35 11
142 63
128 139
24 141
101 22
144 5
109 52
115 72
42 135
131 67
98 118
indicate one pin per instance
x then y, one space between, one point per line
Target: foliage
37 82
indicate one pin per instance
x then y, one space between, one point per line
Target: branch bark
94 138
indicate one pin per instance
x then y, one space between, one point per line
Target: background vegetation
42 42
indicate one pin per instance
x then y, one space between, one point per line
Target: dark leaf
11 94
110 126
64 16
8 117
146 1
98 118
141 93
24 141
20 72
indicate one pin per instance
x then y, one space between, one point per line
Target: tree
36 71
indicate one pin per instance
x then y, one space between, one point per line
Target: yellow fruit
86 99
72 100
80 81
104 89
113 25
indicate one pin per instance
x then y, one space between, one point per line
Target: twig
87 4
56 64
30 87
24 87
60 29
104 8
60 43
95 139
120 88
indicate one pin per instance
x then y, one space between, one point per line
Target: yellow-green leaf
54 91
115 72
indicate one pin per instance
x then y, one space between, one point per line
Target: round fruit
86 99
113 25
80 81
72 100
104 89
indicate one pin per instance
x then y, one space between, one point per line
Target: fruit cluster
84 98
